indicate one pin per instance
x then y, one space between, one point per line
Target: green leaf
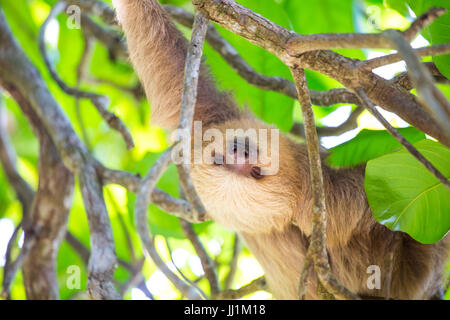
369 144
404 196
68 257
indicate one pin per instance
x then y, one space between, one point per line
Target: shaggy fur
263 211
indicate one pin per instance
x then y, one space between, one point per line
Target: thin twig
188 188
188 101
135 279
176 207
24 82
192 283
243 68
274 38
103 260
404 80
136 90
9 248
436 50
349 124
255 285
14 266
299 44
123 225
9 269
205 259
100 102
233 263
23 190
422 22
117 47
368 104
81 73
78 246
140 211
308 265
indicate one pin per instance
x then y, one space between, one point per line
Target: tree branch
351 123
404 80
308 266
45 223
189 97
205 259
318 236
176 207
81 73
274 39
255 285
140 212
102 261
117 47
242 68
21 79
188 100
435 50
303 43
24 192
192 283
430 96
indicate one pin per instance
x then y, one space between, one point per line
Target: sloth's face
241 178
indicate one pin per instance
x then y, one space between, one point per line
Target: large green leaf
369 144
404 196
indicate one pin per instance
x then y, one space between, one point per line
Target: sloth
273 212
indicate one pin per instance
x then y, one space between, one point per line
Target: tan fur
262 211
